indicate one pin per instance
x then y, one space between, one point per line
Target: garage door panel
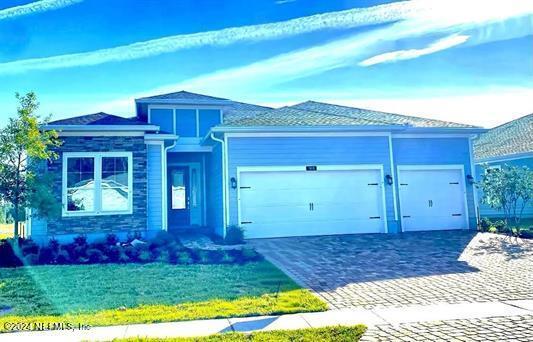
308 228
432 199
300 203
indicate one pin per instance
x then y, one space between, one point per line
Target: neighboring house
508 144
190 161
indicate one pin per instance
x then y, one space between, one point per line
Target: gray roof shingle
313 113
511 138
289 116
240 110
97 119
385 118
182 95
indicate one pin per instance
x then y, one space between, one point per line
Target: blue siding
486 211
437 151
186 122
155 183
208 118
288 151
164 118
39 230
214 201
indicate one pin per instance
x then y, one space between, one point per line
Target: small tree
23 148
509 189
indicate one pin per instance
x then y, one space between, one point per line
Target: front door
179 214
185 195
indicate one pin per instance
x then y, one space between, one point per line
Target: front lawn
329 334
111 294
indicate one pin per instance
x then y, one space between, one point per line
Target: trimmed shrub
163 238
184 258
80 240
227 258
202 256
112 239
63 257
7 255
234 235
29 247
46 256
145 256
53 244
124 258
31 259
132 253
95 255
113 253
249 254
484 224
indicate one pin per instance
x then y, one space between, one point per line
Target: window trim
175 108
97 181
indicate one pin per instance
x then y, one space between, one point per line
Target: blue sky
467 61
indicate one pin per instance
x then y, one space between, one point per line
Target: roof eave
336 128
160 136
505 157
449 130
350 128
93 128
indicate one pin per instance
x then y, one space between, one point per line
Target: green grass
121 294
329 334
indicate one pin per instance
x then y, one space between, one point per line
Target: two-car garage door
311 201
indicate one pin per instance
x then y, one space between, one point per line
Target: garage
432 198
311 200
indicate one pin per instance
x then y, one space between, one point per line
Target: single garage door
432 199
316 202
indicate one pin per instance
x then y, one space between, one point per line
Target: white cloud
487 107
333 20
261 76
439 45
35 7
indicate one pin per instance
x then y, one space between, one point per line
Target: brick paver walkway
514 328
373 271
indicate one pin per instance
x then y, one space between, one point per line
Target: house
191 161
508 144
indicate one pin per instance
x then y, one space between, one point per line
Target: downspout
473 173
224 185
165 191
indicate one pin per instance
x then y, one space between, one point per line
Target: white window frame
97 183
493 167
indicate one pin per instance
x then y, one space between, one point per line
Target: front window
97 183
80 184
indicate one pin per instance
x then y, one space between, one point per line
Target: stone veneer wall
103 223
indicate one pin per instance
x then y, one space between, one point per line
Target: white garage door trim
460 167
379 167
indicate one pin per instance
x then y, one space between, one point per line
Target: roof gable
182 97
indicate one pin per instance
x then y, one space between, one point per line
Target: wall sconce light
470 179
389 179
233 182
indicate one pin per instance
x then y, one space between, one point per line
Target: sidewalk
391 316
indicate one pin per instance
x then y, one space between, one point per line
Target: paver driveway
374 271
